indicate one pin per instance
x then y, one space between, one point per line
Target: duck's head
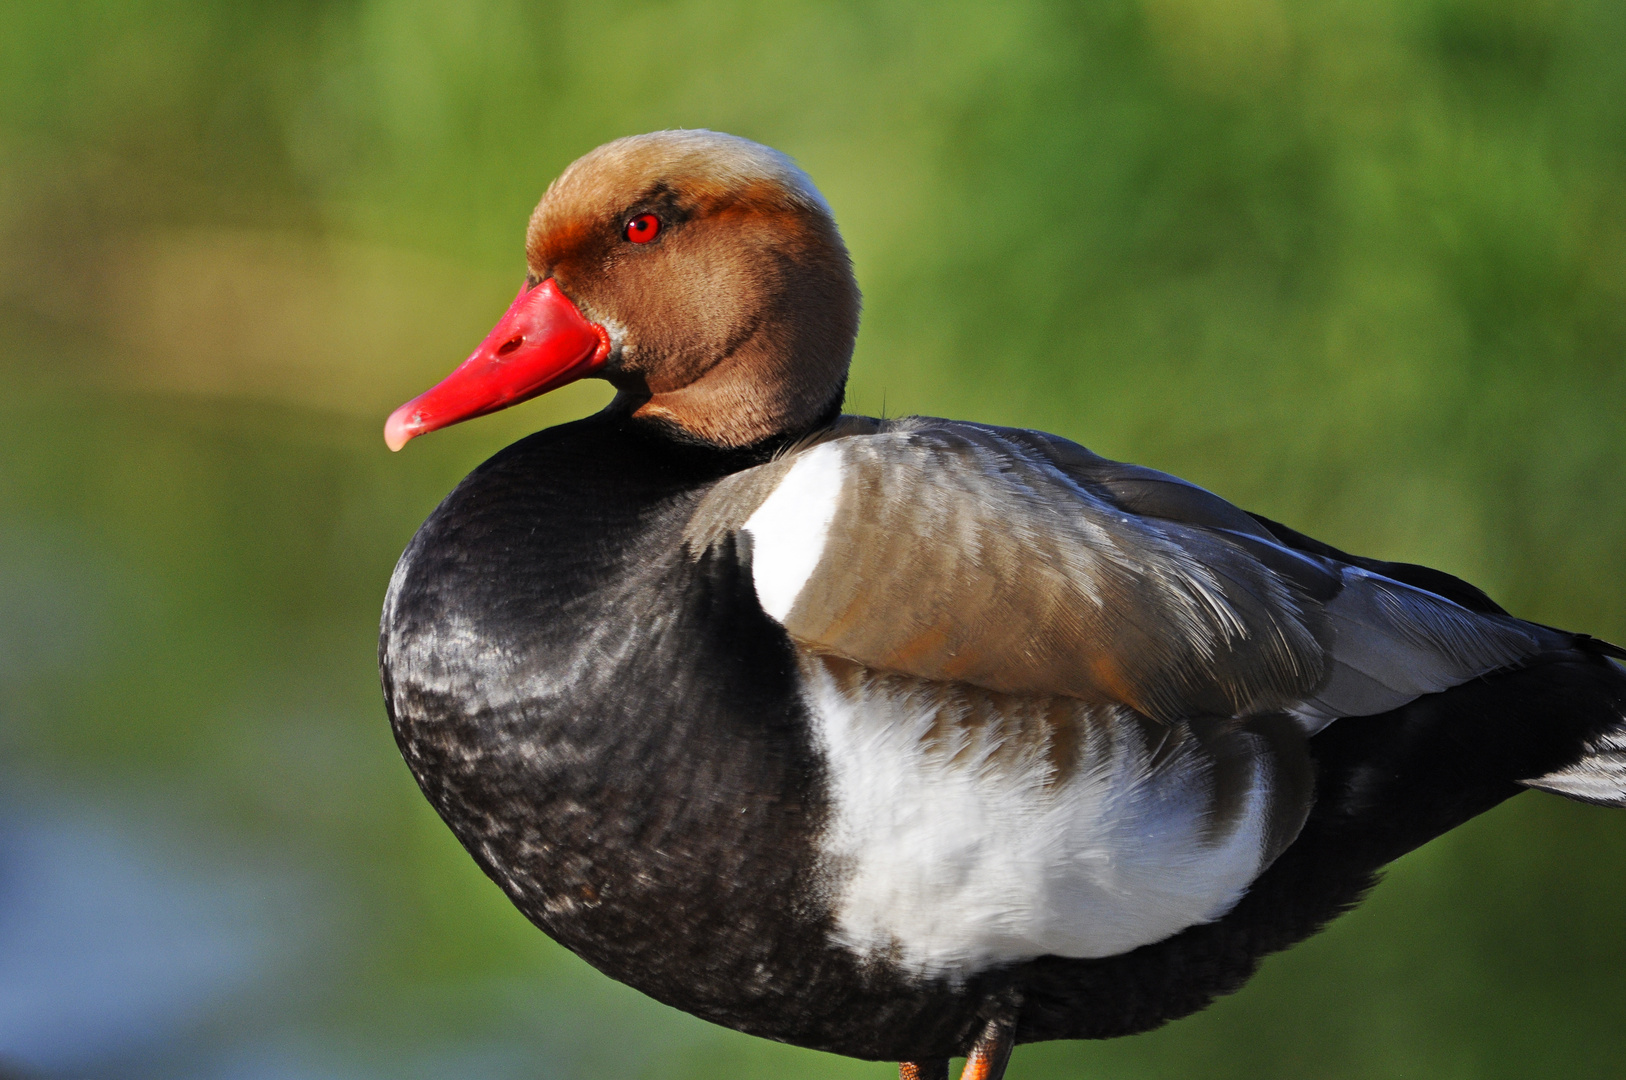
701 274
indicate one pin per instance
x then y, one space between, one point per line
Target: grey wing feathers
1392 643
1021 562
1387 642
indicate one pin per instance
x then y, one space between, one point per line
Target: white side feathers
789 530
950 848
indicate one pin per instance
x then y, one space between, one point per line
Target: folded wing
1022 563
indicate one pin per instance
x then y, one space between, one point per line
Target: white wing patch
789 530
950 853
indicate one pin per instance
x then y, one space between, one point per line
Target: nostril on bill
510 345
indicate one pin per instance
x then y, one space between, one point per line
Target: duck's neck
733 408
784 376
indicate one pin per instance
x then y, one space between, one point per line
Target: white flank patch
947 858
788 531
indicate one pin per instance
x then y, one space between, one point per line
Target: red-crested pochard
907 739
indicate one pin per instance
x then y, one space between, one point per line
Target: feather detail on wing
1022 563
1393 643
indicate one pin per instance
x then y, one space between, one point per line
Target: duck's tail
1598 772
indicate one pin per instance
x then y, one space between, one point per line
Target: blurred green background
1358 266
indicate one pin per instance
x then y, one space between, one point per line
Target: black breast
612 729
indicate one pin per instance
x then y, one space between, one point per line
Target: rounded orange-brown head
700 273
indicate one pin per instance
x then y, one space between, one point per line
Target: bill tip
398 430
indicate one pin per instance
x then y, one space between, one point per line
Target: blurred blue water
119 945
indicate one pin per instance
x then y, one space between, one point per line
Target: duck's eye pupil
643 228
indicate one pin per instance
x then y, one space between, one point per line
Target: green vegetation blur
1359 266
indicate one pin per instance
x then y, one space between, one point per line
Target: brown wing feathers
1022 563
954 556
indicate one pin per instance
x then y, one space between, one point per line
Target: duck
906 739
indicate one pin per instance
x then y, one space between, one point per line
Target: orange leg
989 1056
930 1069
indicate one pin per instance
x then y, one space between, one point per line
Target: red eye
643 228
